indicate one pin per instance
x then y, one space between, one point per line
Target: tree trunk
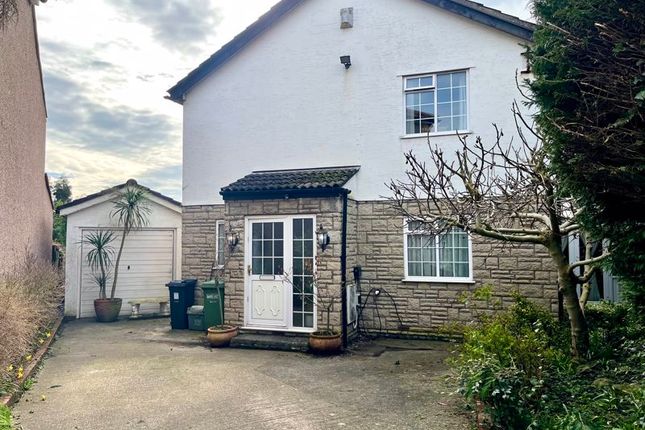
103 280
118 261
567 285
577 320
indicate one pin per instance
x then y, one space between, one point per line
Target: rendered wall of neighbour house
25 205
285 101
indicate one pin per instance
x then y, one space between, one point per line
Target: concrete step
271 341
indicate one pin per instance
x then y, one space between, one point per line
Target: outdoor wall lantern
322 237
346 61
232 239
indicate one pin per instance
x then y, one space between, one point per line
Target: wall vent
347 17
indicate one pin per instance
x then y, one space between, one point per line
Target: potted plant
220 335
99 258
131 212
327 340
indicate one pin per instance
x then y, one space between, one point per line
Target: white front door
280 273
267 300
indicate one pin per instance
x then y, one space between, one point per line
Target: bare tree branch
588 262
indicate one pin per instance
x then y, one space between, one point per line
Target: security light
322 237
232 239
346 61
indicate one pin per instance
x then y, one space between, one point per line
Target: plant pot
107 310
325 343
221 335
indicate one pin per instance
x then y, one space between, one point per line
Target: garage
151 255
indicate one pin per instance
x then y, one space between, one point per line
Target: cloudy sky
107 65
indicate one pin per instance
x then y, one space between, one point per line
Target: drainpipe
343 270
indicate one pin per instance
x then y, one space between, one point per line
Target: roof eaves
488 16
179 90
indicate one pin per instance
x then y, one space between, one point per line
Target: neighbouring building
293 129
151 254
25 200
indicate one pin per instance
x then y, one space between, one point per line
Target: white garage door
147 265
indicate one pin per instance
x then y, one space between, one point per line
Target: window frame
219 226
435 279
406 91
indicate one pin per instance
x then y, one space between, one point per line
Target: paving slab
140 375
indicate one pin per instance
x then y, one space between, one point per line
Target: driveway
140 375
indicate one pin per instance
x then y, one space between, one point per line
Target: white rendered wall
98 215
285 101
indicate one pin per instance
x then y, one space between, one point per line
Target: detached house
293 129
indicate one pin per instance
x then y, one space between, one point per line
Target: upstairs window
436 103
441 258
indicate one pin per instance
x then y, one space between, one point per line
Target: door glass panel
278 230
267 248
278 248
303 272
257 231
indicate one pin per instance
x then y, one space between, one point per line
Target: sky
107 65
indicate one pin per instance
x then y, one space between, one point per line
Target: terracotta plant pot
107 310
221 335
325 343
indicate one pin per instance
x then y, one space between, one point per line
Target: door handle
248 269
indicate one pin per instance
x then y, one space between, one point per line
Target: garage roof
78 203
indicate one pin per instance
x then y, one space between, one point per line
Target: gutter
291 193
343 271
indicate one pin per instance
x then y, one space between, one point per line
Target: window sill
438 134
439 280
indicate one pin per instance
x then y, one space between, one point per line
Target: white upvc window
220 244
437 258
436 103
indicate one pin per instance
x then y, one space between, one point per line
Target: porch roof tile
317 178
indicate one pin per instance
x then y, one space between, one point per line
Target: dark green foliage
502 363
99 257
516 364
588 59
62 192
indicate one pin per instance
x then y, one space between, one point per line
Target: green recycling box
196 318
213 303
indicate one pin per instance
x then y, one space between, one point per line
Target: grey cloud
75 57
179 25
149 77
76 119
166 180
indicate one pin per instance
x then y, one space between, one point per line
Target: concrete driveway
139 375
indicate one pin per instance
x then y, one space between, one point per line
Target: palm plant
131 211
99 257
